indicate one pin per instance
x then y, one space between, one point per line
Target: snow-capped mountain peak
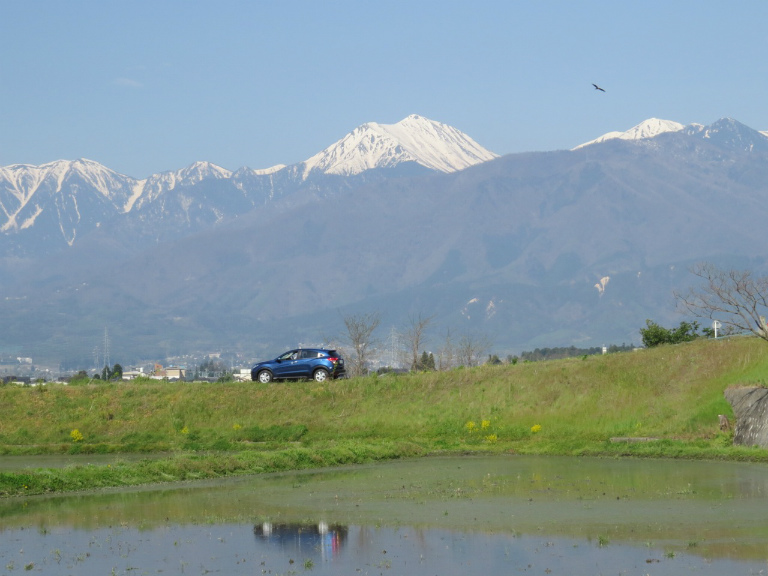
730 133
414 139
646 129
25 178
196 172
78 195
25 189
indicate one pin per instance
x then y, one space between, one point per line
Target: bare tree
736 298
360 328
446 355
471 349
414 337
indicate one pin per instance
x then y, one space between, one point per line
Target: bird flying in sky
598 88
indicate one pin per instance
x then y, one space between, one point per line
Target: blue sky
148 86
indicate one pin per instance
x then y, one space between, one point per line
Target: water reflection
320 539
451 515
364 549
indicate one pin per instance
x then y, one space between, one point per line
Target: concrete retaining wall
750 407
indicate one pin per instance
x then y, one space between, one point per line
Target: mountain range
44 208
539 249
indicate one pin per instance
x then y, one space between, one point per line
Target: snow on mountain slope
268 171
730 133
415 139
80 194
156 184
646 129
22 187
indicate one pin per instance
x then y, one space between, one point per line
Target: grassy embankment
672 394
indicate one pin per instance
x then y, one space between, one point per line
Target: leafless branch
360 330
736 298
414 337
471 349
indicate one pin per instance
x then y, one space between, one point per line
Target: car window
292 355
308 354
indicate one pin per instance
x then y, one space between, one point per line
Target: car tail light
333 359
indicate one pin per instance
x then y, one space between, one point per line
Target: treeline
569 352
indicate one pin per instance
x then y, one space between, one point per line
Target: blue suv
315 363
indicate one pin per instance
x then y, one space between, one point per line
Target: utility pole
394 347
106 347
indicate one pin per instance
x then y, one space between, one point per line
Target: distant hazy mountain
542 249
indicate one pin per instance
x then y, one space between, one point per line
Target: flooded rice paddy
439 515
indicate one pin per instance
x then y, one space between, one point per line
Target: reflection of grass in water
506 494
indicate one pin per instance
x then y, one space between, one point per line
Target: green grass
672 393
196 467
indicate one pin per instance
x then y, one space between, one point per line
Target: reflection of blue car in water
322 538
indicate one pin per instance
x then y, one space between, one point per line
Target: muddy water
453 515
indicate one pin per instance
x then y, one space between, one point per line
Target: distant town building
133 374
174 373
242 375
170 373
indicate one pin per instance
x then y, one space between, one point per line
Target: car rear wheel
265 376
320 375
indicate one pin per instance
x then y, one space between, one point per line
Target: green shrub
654 335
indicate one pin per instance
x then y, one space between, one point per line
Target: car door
307 362
286 365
